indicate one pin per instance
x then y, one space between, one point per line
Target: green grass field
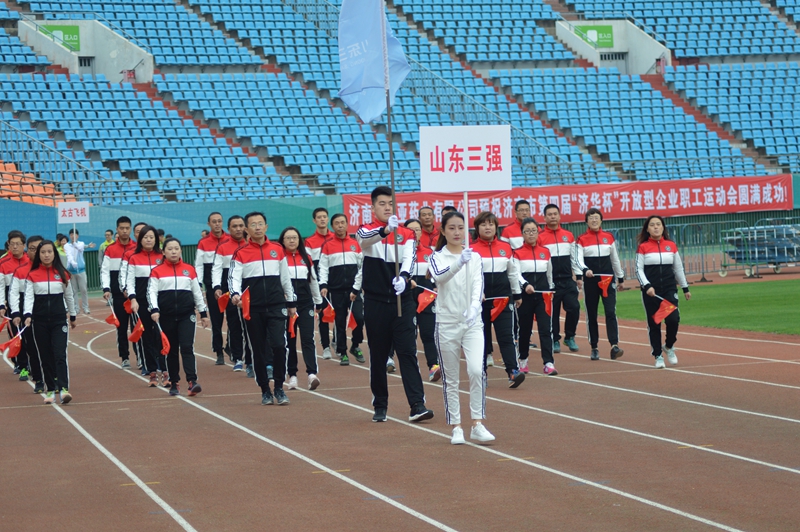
772 307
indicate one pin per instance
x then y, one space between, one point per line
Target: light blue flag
361 58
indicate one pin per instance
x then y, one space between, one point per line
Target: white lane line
736 338
122 467
319 466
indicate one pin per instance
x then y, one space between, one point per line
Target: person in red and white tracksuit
9 263
500 280
306 290
536 275
340 265
513 233
596 257
48 299
428 234
109 279
314 245
659 270
219 280
561 244
426 320
203 262
260 267
173 294
16 300
458 274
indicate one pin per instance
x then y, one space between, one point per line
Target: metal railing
92 15
580 33
28 17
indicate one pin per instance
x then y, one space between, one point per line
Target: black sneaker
344 361
356 352
379 416
17 369
595 354
515 378
220 359
616 352
419 413
174 390
39 387
194 388
280 396
266 398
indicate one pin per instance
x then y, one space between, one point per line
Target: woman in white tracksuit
458 274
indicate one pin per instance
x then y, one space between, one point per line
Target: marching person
340 282
123 277
109 278
561 244
145 258
76 266
306 290
500 282
9 263
428 234
459 326
203 262
513 233
659 269
597 259
173 294
16 300
260 267
423 287
536 276
385 328
48 298
219 280
314 245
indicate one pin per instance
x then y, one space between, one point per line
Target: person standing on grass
458 273
513 233
109 278
306 289
385 328
16 299
536 276
659 270
48 298
173 294
428 234
314 245
423 286
340 282
500 281
76 266
561 244
260 267
9 263
597 259
145 258
203 262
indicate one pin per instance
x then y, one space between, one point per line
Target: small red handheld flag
605 281
3 324
548 302
292 321
127 306
112 320
14 346
138 329
223 301
164 344
665 309
498 306
246 304
328 315
424 300
352 324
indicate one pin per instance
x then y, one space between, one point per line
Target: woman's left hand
73 324
687 295
517 303
205 322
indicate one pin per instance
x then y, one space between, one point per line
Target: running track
605 446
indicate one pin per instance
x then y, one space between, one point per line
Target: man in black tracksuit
385 328
203 263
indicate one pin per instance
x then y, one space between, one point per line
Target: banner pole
466 245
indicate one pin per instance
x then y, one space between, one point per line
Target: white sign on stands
465 158
73 212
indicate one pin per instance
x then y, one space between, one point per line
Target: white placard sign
465 158
73 212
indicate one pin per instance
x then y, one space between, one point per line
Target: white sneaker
660 362
390 367
672 358
326 353
490 360
480 433
292 383
523 365
313 382
458 436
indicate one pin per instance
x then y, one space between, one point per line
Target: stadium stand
19 186
704 28
7 14
13 52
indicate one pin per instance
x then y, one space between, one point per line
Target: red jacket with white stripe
500 270
48 295
513 235
306 291
137 274
561 244
429 239
314 244
340 265
16 292
535 268
659 265
263 269
222 263
597 251
8 265
112 262
204 258
173 290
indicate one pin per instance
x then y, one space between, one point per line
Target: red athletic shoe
153 379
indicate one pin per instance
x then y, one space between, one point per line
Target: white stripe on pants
451 338
78 281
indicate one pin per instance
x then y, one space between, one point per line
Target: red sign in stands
617 201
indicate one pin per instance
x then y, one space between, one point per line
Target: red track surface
608 446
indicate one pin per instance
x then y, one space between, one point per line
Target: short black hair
60 237
448 208
160 232
212 214
411 221
550 206
521 202
317 211
168 236
123 220
527 221
254 213
74 231
425 207
336 217
234 217
110 231
34 238
16 234
593 210
170 240
380 191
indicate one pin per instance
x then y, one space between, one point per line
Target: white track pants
451 338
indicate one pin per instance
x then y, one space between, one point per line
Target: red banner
617 201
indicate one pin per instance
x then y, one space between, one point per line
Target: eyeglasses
15 244
257 225
290 238
530 232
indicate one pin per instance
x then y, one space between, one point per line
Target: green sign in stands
602 35
69 35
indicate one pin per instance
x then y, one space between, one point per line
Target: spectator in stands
596 256
109 279
76 266
203 262
659 269
429 235
423 286
314 245
561 244
513 233
102 249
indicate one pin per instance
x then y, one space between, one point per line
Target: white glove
473 313
392 223
399 285
465 257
